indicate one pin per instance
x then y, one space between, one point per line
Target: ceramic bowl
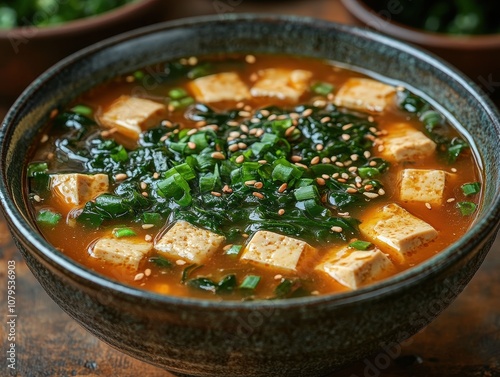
28 51
309 336
477 56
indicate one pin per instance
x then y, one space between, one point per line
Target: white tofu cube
397 229
404 143
123 251
284 84
275 250
187 242
74 190
354 268
226 86
129 116
418 185
364 95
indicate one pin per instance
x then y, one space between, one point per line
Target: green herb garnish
466 208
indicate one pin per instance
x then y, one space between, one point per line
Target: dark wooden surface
463 341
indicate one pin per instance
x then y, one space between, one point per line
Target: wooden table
463 341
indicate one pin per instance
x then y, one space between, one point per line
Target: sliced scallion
123 232
471 188
361 245
48 217
250 282
466 208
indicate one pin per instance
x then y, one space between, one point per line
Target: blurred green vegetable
14 13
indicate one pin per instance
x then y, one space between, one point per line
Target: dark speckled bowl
297 337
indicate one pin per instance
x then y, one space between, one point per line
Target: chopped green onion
160 261
471 188
119 154
365 172
361 245
123 232
177 93
233 250
306 192
36 168
82 110
250 282
466 208
48 218
322 88
152 218
183 102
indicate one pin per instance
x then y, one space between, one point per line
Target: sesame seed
367 154
283 187
325 119
315 293
240 105
227 247
250 183
315 160
192 131
130 79
325 176
333 158
145 194
147 226
167 123
347 126
240 159
301 165
244 114
330 96
147 272
171 108
262 162
250 59
50 156
227 189
292 116
139 276
351 190
326 160
281 212
258 185
380 148
259 132
121 177
233 148
354 157
344 214
336 229
218 147
37 198
373 163
148 238
265 113
54 113
272 117
289 131
218 156
193 60
352 169
244 128
156 175
454 170
278 277
215 193
296 158
335 175
319 103
242 146
233 123
191 145
371 119
370 195
368 187
163 138
381 192
180 262
346 137
258 195
144 185
44 138
307 112
340 164
234 134
244 235
201 123
428 205
400 88
320 147
320 181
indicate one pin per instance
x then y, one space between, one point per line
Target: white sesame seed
258 195
250 59
340 164
367 154
315 160
156 176
325 176
44 138
121 177
336 229
180 262
147 226
283 187
346 137
301 165
354 157
258 185
281 212
451 200
345 175
320 181
37 198
289 131
148 238
326 160
240 159
454 170
325 119
296 158
191 145
381 192
319 147
147 272
139 276
428 205
278 277
307 112
193 60
145 194
347 126
370 195
265 113
352 169
215 193
373 163
218 156
250 182
351 190
233 147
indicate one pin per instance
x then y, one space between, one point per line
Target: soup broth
251 177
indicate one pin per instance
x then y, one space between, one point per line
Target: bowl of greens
36 34
464 32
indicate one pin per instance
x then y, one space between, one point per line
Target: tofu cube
123 251
129 116
354 268
364 95
74 190
418 185
404 143
284 84
226 86
187 242
397 229
275 250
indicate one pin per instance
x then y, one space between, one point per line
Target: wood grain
463 341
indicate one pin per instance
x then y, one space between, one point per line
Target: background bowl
28 51
478 56
297 337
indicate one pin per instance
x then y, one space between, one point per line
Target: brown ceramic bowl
28 51
477 56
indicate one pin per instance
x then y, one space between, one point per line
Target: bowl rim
369 16
79 25
79 274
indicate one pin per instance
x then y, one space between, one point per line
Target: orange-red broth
76 241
